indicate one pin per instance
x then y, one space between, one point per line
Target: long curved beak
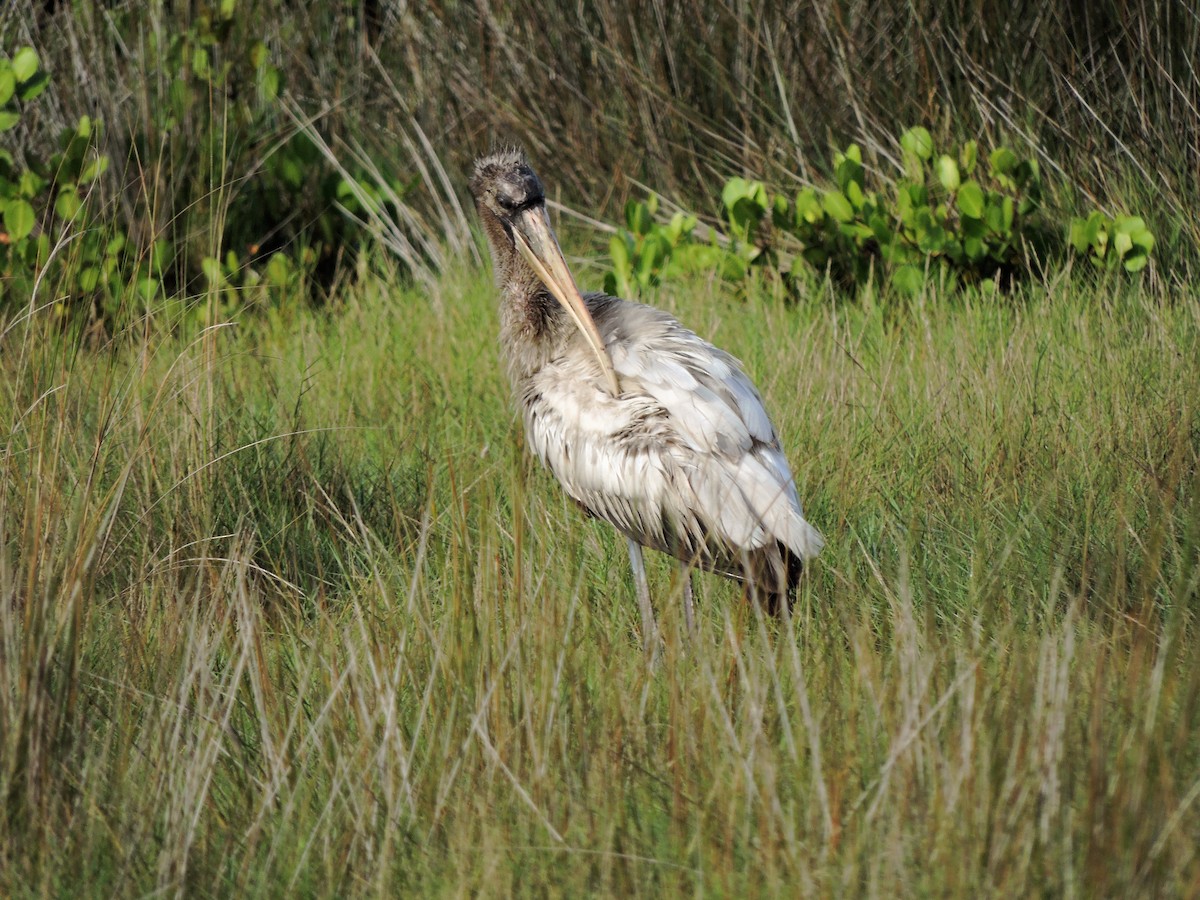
539 247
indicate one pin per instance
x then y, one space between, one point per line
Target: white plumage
644 423
684 460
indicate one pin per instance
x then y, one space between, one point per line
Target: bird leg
689 615
638 564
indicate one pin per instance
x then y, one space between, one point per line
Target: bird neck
532 322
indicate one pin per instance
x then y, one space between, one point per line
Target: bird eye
507 202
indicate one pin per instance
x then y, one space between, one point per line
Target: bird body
684 460
645 424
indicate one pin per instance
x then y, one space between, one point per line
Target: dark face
505 186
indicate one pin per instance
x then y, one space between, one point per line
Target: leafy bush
226 193
1110 242
947 216
950 218
232 158
646 252
44 202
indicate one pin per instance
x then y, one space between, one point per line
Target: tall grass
285 608
678 95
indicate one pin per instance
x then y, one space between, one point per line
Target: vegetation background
285 609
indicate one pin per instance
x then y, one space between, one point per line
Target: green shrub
947 216
44 203
646 252
1109 242
950 217
222 191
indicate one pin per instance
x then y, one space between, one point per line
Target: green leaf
908 280
30 184
881 228
975 228
211 267
147 288
1128 224
679 228
970 199
808 207
855 195
1136 262
89 277
279 269
745 204
932 239
780 212
94 169
673 229
836 204
25 63
968 156
744 217
918 195
200 64
30 89
1122 243
849 169
637 216
735 189
18 219
160 255
1077 235
694 258
947 173
1002 161
68 202
899 252
268 82
8 84
733 267
918 142
1090 234
8 118
654 250
993 215
618 250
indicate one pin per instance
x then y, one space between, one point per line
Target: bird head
512 203
503 185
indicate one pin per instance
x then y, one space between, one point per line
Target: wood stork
644 423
